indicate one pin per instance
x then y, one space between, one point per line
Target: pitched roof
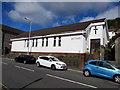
5 28
61 29
115 29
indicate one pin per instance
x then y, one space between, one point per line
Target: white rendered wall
100 34
111 34
69 44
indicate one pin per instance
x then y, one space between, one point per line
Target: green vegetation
113 23
110 51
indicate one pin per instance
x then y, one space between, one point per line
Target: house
73 39
113 33
116 38
7 33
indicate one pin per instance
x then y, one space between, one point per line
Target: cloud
87 19
44 13
34 11
110 14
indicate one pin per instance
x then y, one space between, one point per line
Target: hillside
113 23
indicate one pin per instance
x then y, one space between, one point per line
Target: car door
20 58
45 61
93 67
105 70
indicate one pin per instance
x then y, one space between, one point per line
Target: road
21 76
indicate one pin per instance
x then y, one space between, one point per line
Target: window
33 43
46 42
42 42
54 43
59 42
36 42
93 63
105 65
45 58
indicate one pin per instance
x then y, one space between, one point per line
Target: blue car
103 69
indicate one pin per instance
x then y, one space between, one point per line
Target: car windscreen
114 65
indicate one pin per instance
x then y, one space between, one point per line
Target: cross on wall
95 30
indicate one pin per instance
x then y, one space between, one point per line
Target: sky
52 14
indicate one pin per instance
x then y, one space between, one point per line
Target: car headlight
58 63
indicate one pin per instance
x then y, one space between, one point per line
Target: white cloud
34 11
45 13
110 14
87 19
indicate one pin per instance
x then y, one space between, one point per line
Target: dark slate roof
60 29
115 29
8 29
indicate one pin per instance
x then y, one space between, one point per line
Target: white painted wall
101 34
69 44
111 34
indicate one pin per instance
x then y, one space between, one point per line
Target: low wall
73 61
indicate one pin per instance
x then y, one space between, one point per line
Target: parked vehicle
25 59
103 69
51 62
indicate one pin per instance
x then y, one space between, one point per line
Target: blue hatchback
103 69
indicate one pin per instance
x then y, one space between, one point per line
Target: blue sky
52 14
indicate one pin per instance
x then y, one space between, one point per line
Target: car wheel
38 64
117 78
53 67
25 62
86 73
16 60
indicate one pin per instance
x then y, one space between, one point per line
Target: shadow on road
30 83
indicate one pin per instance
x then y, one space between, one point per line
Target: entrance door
95 48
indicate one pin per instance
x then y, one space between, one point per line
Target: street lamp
29 34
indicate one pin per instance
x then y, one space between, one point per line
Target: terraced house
7 33
73 39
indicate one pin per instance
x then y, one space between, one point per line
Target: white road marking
71 81
25 68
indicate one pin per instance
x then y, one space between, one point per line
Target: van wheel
38 64
53 67
86 73
117 78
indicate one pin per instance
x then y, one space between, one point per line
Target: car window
21 56
44 58
93 63
103 64
54 59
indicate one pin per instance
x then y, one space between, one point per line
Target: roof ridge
60 29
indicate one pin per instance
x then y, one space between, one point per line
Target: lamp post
29 34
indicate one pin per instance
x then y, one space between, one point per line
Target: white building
71 39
